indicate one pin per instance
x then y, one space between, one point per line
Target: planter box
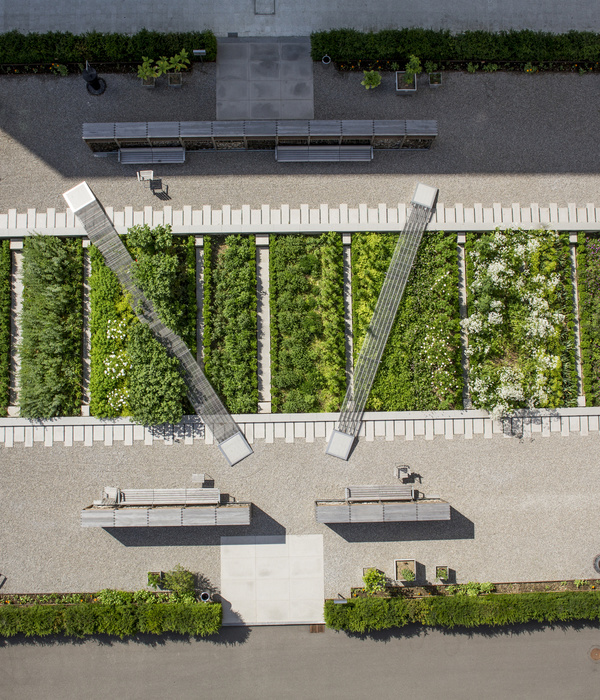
443 569
400 565
160 575
149 82
174 79
401 87
435 80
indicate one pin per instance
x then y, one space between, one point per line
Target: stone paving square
264 79
272 579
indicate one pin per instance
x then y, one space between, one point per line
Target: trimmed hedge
420 369
588 274
85 619
230 331
64 47
5 271
52 327
493 610
308 356
519 46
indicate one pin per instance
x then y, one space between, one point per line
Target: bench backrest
380 493
157 497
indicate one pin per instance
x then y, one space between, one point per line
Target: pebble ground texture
521 510
502 138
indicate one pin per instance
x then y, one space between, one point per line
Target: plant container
402 88
174 79
148 82
435 80
400 565
445 570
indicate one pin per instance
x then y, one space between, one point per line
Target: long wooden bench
166 154
166 497
379 493
321 154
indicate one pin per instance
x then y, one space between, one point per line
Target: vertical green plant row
420 369
521 321
52 327
230 330
5 272
307 323
588 275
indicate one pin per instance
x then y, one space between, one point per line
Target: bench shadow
459 527
196 536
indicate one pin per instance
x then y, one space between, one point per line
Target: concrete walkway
265 79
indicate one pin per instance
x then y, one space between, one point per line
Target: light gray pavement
270 663
523 509
503 138
265 79
293 18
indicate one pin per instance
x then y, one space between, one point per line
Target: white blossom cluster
118 398
117 364
116 330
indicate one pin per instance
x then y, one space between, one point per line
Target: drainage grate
321 628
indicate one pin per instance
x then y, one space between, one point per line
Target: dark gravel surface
503 138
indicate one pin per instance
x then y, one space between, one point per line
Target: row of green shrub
64 47
420 369
588 269
131 372
441 45
307 323
85 619
5 272
370 614
51 327
229 309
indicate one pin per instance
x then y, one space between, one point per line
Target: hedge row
85 619
588 270
5 271
64 47
441 45
307 323
369 614
420 369
51 327
229 307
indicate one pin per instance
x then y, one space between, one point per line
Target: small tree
180 581
372 79
413 67
374 581
163 65
147 71
179 61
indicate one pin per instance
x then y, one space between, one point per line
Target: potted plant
177 63
405 570
147 72
435 76
442 573
372 79
406 80
155 579
374 580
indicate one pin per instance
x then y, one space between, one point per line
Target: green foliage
579 583
5 270
155 580
520 46
588 278
413 67
147 70
472 67
408 574
521 321
307 323
372 79
374 581
369 614
180 581
471 589
420 369
230 331
530 68
52 327
179 61
64 47
108 596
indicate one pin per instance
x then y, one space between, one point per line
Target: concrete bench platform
379 493
134 156
190 516
320 154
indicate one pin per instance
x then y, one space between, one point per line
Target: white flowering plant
520 323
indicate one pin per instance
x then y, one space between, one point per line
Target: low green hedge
588 277
520 46
493 610
64 47
52 327
85 619
5 270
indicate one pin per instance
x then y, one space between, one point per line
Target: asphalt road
524 662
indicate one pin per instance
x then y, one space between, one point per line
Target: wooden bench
167 154
320 154
168 497
379 493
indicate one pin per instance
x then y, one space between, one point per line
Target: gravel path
522 510
503 138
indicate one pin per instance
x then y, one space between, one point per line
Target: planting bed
307 323
5 271
230 340
420 368
588 268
